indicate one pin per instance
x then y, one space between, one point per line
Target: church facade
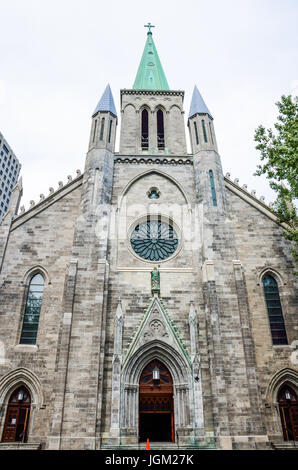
149 297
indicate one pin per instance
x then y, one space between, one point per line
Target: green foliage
279 154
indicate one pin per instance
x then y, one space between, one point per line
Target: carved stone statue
155 281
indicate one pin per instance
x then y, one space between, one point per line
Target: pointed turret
198 105
104 122
201 130
106 102
150 75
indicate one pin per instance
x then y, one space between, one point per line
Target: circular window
154 240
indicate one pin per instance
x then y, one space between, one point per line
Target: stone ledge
290 445
20 446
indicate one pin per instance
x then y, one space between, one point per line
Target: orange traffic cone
148 445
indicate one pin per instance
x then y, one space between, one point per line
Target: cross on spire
149 26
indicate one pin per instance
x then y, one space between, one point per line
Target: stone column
62 357
116 376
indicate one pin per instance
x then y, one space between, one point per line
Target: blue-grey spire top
106 102
198 105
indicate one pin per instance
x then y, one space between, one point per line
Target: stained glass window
204 131
160 130
196 133
212 188
276 319
154 240
102 128
154 194
32 310
95 126
110 131
145 130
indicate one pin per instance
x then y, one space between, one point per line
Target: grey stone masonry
170 102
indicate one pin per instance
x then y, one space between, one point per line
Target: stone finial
262 198
244 187
119 311
32 204
22 209
228 175
236 181
253 193
69 179
41 197
60 184
51 190
192 312
78 173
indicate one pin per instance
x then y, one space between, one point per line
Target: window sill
32 348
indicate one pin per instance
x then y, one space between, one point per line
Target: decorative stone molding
153 160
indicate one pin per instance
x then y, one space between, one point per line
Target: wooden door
288 407
156 406
17 416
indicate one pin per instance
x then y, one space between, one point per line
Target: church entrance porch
156 410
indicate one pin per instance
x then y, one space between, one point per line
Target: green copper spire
150 74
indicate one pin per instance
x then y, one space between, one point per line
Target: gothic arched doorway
288 407
17 416
156 407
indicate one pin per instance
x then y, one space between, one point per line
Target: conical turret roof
198 105
150 75
106 102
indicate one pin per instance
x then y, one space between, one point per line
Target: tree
279 154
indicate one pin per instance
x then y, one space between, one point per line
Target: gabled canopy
150 74
198 105
106 102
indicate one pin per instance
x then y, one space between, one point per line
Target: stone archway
180 372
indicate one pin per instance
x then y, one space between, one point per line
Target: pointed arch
37 269
21 376
270 270
278 380
148 172
175 362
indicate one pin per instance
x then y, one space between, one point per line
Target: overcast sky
57 56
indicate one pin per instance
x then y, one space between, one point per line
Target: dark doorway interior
156 427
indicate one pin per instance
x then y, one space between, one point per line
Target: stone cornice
125 91
154 159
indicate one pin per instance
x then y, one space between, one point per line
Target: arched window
102 127
32 310
95 126
110 130
17 416
212 188
196 132
211 133
288 408
160 130
145 130
204 131
276 319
